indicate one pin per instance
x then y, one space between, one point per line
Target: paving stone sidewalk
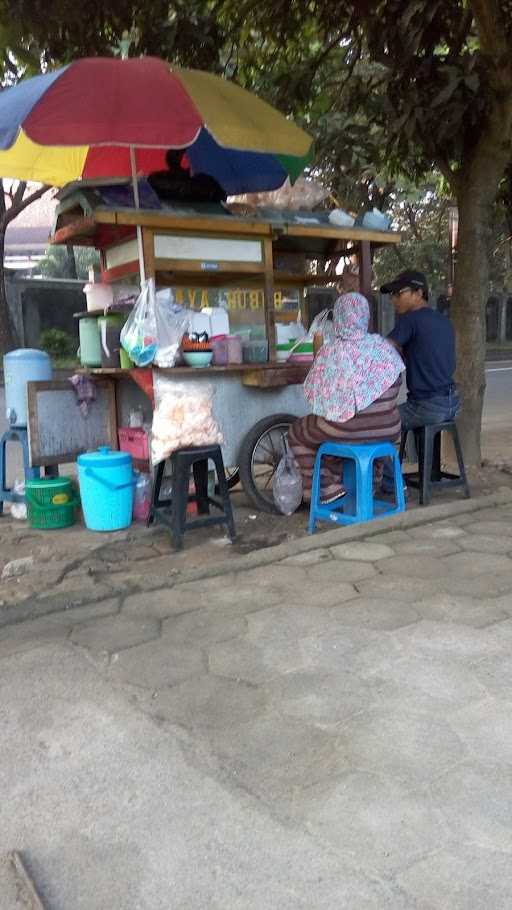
332 730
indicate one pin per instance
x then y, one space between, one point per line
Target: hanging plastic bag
287 484
172 322
139 335
183 417
322 323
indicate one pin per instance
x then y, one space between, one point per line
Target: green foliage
57 343
38 34
57 262
422 219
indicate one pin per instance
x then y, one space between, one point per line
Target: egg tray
198 346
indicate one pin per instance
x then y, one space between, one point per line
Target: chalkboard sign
58 432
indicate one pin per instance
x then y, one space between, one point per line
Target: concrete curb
35 608
339 535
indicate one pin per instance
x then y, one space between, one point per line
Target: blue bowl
197 358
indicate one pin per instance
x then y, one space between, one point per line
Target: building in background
37 303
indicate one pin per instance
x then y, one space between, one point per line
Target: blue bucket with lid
107 485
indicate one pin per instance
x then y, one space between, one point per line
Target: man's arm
402 332
395 344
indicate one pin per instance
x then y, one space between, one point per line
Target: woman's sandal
332 497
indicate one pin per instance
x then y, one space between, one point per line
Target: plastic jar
219 346
234 343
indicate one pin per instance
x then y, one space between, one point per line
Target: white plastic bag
340 218
172 321
139 335
19 509
155 327
321 323
183 417
287 485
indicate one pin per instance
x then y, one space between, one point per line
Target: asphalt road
497 407
498 394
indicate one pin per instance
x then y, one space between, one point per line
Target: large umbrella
87 116
101 117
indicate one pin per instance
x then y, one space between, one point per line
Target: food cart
263 264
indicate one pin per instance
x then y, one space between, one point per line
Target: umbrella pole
135 187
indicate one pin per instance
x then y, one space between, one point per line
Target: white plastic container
99 297
199 323
219 320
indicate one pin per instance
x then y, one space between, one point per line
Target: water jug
106 489
22 366
90 344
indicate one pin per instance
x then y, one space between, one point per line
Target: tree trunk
7 340
476 194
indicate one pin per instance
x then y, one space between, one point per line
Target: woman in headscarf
352 388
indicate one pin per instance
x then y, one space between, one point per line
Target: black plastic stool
429 475
172 512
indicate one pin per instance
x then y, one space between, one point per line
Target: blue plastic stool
16 434
359 503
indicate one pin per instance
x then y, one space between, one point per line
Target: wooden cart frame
220 251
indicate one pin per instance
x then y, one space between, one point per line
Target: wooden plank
275 378
118 373
196 267
82 228
289 278
270 316
148 245
365 269
105 216
220 224
120 271
57 431
354 234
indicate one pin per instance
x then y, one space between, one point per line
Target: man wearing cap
426 341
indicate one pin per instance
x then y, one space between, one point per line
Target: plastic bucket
106 489
51 503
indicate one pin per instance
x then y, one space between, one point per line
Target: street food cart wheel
232 477
260 453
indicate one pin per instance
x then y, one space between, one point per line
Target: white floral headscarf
354 368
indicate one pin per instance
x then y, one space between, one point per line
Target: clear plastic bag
183 417
155 327
142 497
139 335
303 194
287 485
322 323
19 509
172 321
340 218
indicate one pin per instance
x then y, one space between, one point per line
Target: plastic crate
135 441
